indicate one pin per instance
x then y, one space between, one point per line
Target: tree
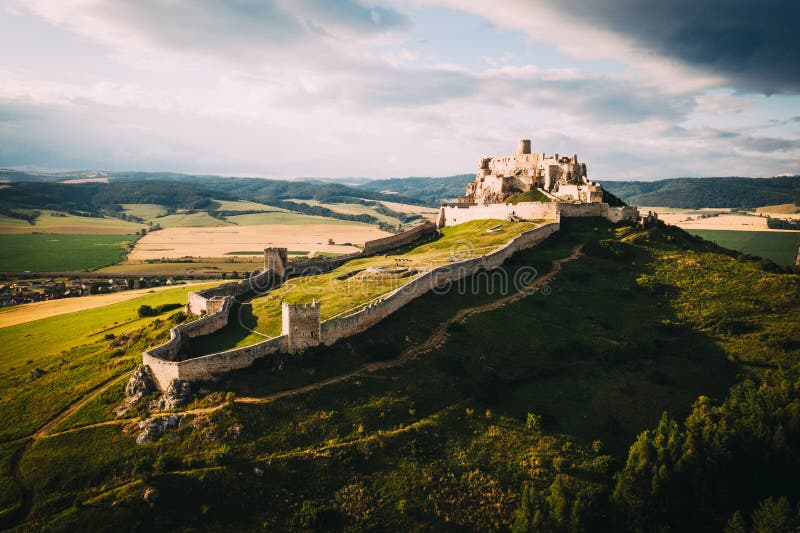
146 310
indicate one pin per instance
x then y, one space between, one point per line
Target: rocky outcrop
151 495
153 428
141 382
178 394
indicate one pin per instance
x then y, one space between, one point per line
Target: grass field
144 211
244 205
202 266
353 209
340 290
428 212
54 253
200 219
55 222
277 217
779 246
444 441
76 355
217 242
20 314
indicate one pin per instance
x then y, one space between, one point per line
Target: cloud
248 86
752 46
755 45
253 32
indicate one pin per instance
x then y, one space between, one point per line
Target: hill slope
695 193
517 413
432 191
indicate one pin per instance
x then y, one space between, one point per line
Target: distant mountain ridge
696 193
691 193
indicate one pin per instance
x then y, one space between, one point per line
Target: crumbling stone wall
275 260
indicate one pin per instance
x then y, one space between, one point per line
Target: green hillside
537 413
432 191
695 193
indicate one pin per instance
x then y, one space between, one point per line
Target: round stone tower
524 146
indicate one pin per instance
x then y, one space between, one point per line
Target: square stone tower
275 259
301 323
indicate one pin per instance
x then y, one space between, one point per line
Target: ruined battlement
275 259
563 177
300 323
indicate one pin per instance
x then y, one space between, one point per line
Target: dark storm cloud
755 44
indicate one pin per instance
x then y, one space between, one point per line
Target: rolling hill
695 193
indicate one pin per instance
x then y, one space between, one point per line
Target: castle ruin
558 177
565 191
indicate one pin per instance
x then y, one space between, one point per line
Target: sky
362 88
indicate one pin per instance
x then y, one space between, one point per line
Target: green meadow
779 246
60 252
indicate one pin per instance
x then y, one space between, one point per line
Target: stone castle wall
208 366
378 246
164 360
339 328
452 214
597 209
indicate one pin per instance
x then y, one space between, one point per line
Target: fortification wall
338 328
452 214
583 210
164 360
208 366
384 244
597 209
627 212
198 301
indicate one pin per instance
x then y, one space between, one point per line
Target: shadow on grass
240 326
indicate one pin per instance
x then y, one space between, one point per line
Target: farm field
353 209
19 314
779 246
428 212
217 242
244 205
144 211
780 210
55 253
282 217
200 219
34 340
352 285
55 222
199 267
718 218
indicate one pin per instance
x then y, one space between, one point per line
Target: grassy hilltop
520 416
